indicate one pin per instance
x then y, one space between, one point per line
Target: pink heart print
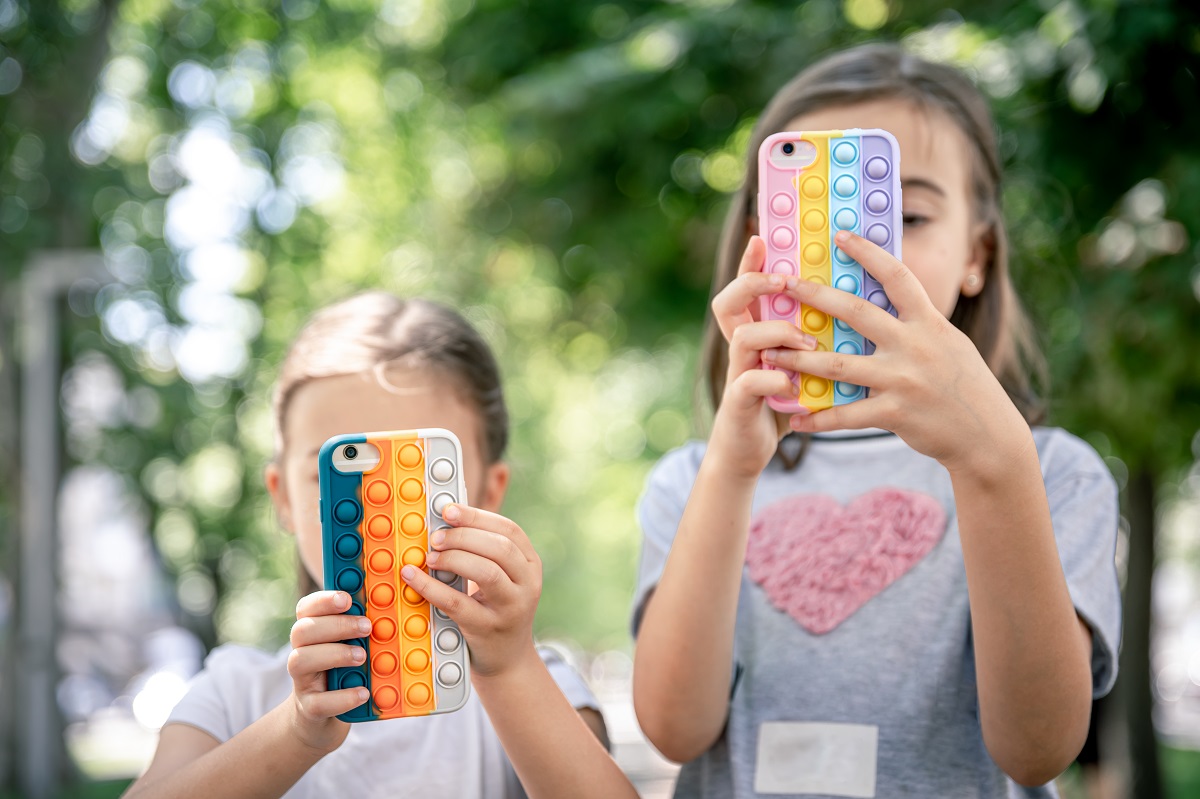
820 562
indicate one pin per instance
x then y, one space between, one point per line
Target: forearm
683 660
262 761
1031 651
551 748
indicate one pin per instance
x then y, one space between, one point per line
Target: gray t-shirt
854 672
452 754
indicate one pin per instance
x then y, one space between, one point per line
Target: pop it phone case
373 523
829 181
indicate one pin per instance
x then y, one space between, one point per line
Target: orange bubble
378 492
416 626
417 661
386 697
412 524
409 456
414 556
381 561
411 596
418 694
411 490
384 630
384 664
383 595
379 526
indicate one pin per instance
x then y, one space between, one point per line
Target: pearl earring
972 281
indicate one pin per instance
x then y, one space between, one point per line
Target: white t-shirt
450 755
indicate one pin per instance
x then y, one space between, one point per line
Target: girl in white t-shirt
264 725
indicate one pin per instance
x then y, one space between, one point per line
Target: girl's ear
495 486
979 257
275 487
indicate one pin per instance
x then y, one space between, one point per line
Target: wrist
994 463
312 739
515 667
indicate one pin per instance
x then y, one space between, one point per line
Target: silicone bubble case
811 185
373 522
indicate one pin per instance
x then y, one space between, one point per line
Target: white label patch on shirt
816 757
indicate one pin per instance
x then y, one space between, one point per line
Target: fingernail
451 513
409 571
775 280
358 655
364 625
794 422
343 600
363 694
808 340
792 282
770 355
842 236
438 537
432 557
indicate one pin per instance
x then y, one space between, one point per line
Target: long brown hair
372 331
994 318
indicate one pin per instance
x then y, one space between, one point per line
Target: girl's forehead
931 143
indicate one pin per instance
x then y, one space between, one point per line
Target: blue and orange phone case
373 523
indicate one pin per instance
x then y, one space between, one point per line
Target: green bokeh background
558 171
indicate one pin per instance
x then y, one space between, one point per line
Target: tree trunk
1136 698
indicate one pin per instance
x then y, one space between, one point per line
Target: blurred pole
1135 694
41 761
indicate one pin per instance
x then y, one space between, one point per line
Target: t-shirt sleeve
1083 509
205 705
660 508
568 679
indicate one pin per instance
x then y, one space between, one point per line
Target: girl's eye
915 220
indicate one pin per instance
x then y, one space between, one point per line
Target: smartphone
812 184
382 494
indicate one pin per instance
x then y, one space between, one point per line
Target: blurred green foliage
558 170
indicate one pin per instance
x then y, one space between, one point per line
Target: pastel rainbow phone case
381 496
812 184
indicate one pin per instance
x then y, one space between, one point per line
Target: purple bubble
879 234
877 168
878 299
878 202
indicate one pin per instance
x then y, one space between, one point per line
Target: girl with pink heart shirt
912 594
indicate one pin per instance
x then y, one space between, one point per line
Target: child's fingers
749 389
309 630
497 548
732 312
327 704
854 416
323 603
868 319
858 369
466 516
464 610
487 574
902 287
309 660
732 305
750 340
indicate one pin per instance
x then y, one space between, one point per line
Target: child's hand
494 553
928 382
317 647
745 433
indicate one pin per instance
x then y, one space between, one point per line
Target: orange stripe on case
411 542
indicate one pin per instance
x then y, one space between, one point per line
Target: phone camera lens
351 452
788 148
